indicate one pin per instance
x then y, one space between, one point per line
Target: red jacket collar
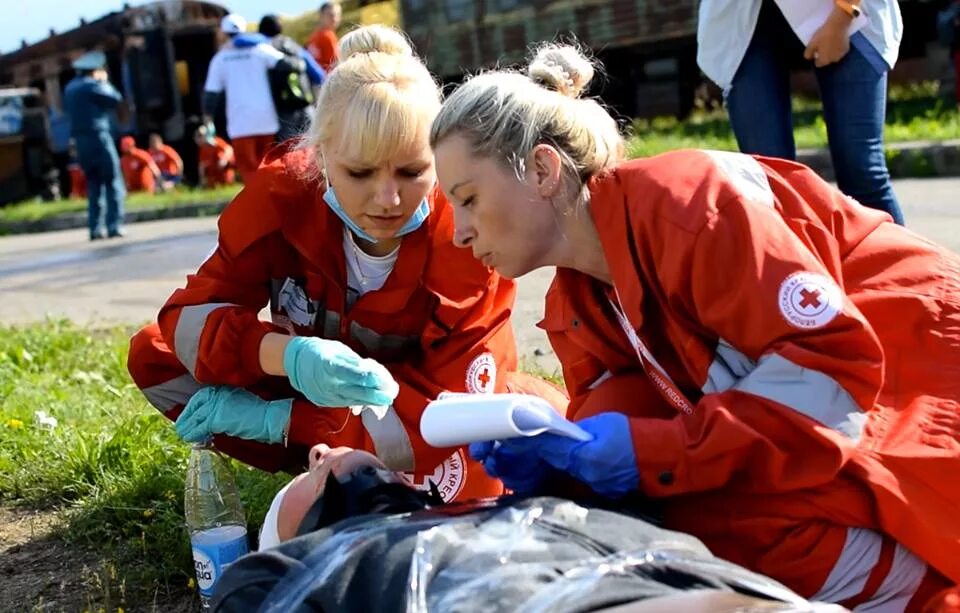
611 212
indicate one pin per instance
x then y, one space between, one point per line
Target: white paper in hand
453 419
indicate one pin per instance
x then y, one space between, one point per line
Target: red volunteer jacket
441 321
802 367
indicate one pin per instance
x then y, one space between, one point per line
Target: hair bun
374 39
562 68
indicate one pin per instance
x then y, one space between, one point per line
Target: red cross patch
482 374
809 300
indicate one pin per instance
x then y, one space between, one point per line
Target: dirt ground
40 571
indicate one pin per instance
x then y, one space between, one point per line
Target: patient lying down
351 535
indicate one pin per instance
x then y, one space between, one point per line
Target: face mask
416 220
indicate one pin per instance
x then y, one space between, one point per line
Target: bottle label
213 553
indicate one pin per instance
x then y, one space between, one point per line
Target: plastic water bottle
215 519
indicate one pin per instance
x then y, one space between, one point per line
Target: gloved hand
524 473
607 463
330 374
224 409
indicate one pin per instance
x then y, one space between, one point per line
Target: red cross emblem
811 298
481 374
484 377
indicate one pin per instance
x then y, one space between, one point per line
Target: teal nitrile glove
234 411
330 374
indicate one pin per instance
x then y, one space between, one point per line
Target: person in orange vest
215 157
775 363
322 43
167 160
349 242
140 173
78 180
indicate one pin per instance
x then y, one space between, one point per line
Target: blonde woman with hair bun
348 240
776 363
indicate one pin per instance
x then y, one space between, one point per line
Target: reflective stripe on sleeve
849 574
390 439
901 583
190 328
728 367
745 174
863 555
599 381
169 394
806 391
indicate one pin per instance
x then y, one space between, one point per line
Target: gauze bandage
270 532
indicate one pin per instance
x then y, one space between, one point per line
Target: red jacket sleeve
815 365
212 324
469 338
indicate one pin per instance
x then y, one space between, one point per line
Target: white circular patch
482 374
448 477
809 300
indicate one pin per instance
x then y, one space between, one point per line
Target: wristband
851 9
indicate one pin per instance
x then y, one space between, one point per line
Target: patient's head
291 504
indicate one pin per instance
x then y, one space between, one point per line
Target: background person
747 48
777 364
349 241
323 43
167 160
293 92
215 159
140 172
89 101
238 72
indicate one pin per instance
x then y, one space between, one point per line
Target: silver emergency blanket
538 555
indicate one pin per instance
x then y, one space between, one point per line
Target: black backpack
289 81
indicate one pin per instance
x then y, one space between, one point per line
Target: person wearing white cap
239 72
89 99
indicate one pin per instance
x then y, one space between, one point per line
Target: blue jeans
98 158
854 96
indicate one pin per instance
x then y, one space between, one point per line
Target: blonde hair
376 101
505 114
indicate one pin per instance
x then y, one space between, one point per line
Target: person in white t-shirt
239 71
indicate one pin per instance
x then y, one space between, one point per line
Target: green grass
913 113
32 210
112 465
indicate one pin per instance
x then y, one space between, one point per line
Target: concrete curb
918 159
905 160
79 220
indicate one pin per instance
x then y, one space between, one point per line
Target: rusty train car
157 56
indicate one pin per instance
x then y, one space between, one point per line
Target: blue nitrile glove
523 473
224 409
330 374
607 463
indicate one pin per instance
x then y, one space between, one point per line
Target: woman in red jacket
350 243
778 364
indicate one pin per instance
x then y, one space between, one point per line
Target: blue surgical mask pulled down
416 220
